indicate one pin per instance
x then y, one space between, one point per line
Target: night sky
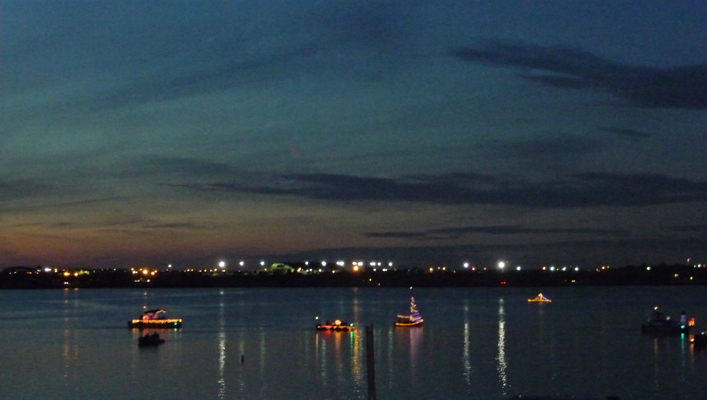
180 132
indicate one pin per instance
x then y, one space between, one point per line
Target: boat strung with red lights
539 299
155 319
337 325
412 319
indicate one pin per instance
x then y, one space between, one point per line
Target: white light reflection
466 358
262 355
502 361
222 348
70 349
221 364
321 346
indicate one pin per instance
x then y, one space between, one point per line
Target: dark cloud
172 225
698 229
553 147
396 235
453 233
21 189
678 87
47 201
628 133
579 190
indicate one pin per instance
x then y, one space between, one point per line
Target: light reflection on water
501 358
222 346
466 357
261 344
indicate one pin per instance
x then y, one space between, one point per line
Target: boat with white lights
660 324
337 325
155 319
539 299
412 319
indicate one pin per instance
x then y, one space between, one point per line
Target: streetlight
222 264
501 265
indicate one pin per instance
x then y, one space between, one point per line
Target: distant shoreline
662 275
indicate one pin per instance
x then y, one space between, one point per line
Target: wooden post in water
370 363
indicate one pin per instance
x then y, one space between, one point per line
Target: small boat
412 319
150 340
661 324
539 299
155 319
337 325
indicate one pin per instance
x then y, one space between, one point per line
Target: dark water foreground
260 343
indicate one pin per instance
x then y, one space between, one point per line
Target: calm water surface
479 343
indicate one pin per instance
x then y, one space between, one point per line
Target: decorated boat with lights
412 319
337 326
539 299
660 324
150 340
155 319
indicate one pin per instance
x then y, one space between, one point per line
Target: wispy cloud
679 87
172 225
628 133
579 190
454 233
20 189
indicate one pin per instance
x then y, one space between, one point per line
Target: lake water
476 343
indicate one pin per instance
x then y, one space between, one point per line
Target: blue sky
177 132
